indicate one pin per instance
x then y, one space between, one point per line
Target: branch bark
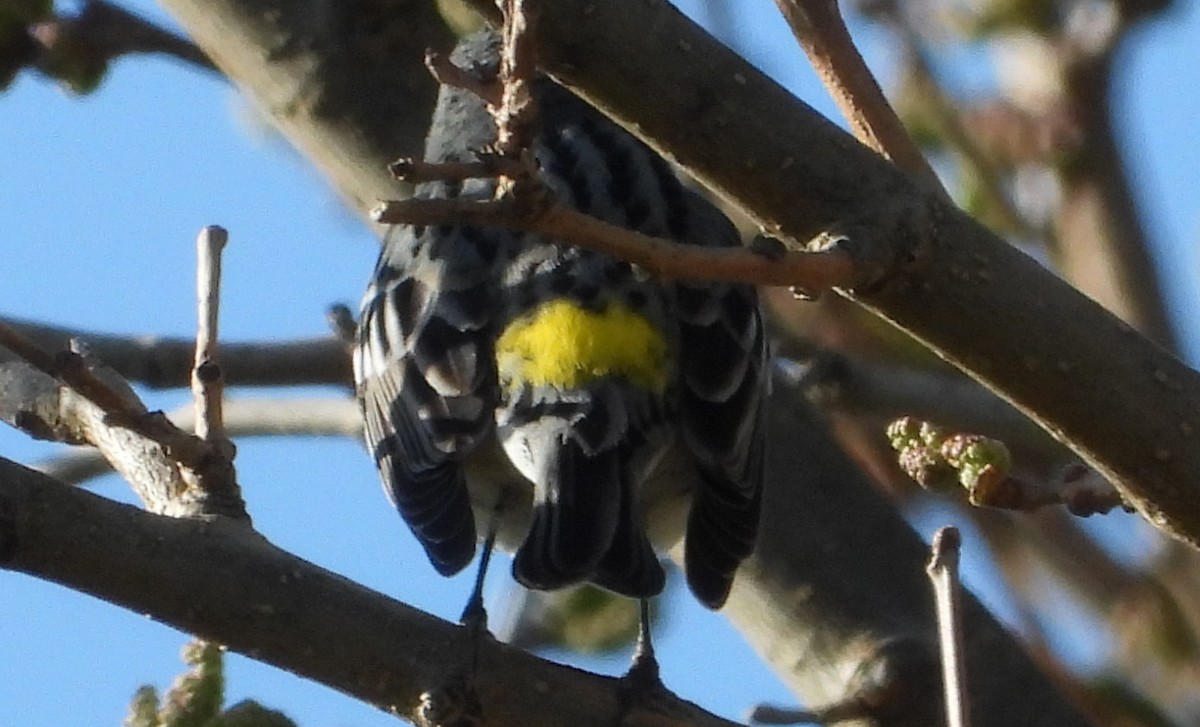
322 69
227 584
823 592
292 417
164 363
1127 407
830 633
821 32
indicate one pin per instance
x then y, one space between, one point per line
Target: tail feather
575 518
630 567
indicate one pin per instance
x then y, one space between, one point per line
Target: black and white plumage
595 410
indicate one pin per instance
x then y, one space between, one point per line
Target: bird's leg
643 672
455 700
642 688
474 616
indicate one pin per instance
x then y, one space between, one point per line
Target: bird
567 404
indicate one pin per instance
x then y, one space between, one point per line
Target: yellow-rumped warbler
566 398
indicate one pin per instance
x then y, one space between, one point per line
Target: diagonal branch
821 32
75 398
114 31
318 68
1127 407
828 566
228 584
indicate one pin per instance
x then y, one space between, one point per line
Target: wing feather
426 381
723 362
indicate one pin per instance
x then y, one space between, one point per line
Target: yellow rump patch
564 345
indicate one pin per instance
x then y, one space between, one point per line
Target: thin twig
212 485
70 368
103 31
448 74
79 377
943 573
516 117
813 271
821 32
488 165
208 384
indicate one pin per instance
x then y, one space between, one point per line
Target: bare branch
943 573
517 112
448 74
930 269
243 418
212 486
227 584
78 48
342 79
74 398
770 714
119 32
162 362
117 403
812 271
34 401
208 384
417 171
818 26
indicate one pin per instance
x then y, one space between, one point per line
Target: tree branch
228 584
73 397
816 271
116 32
819 594
78 49
821 32
342 79
831 635
1127 407
243 418
163 362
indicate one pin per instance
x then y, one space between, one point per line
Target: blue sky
100 201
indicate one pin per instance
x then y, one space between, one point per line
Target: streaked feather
435 396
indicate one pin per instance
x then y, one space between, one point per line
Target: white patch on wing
454 374
391 320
